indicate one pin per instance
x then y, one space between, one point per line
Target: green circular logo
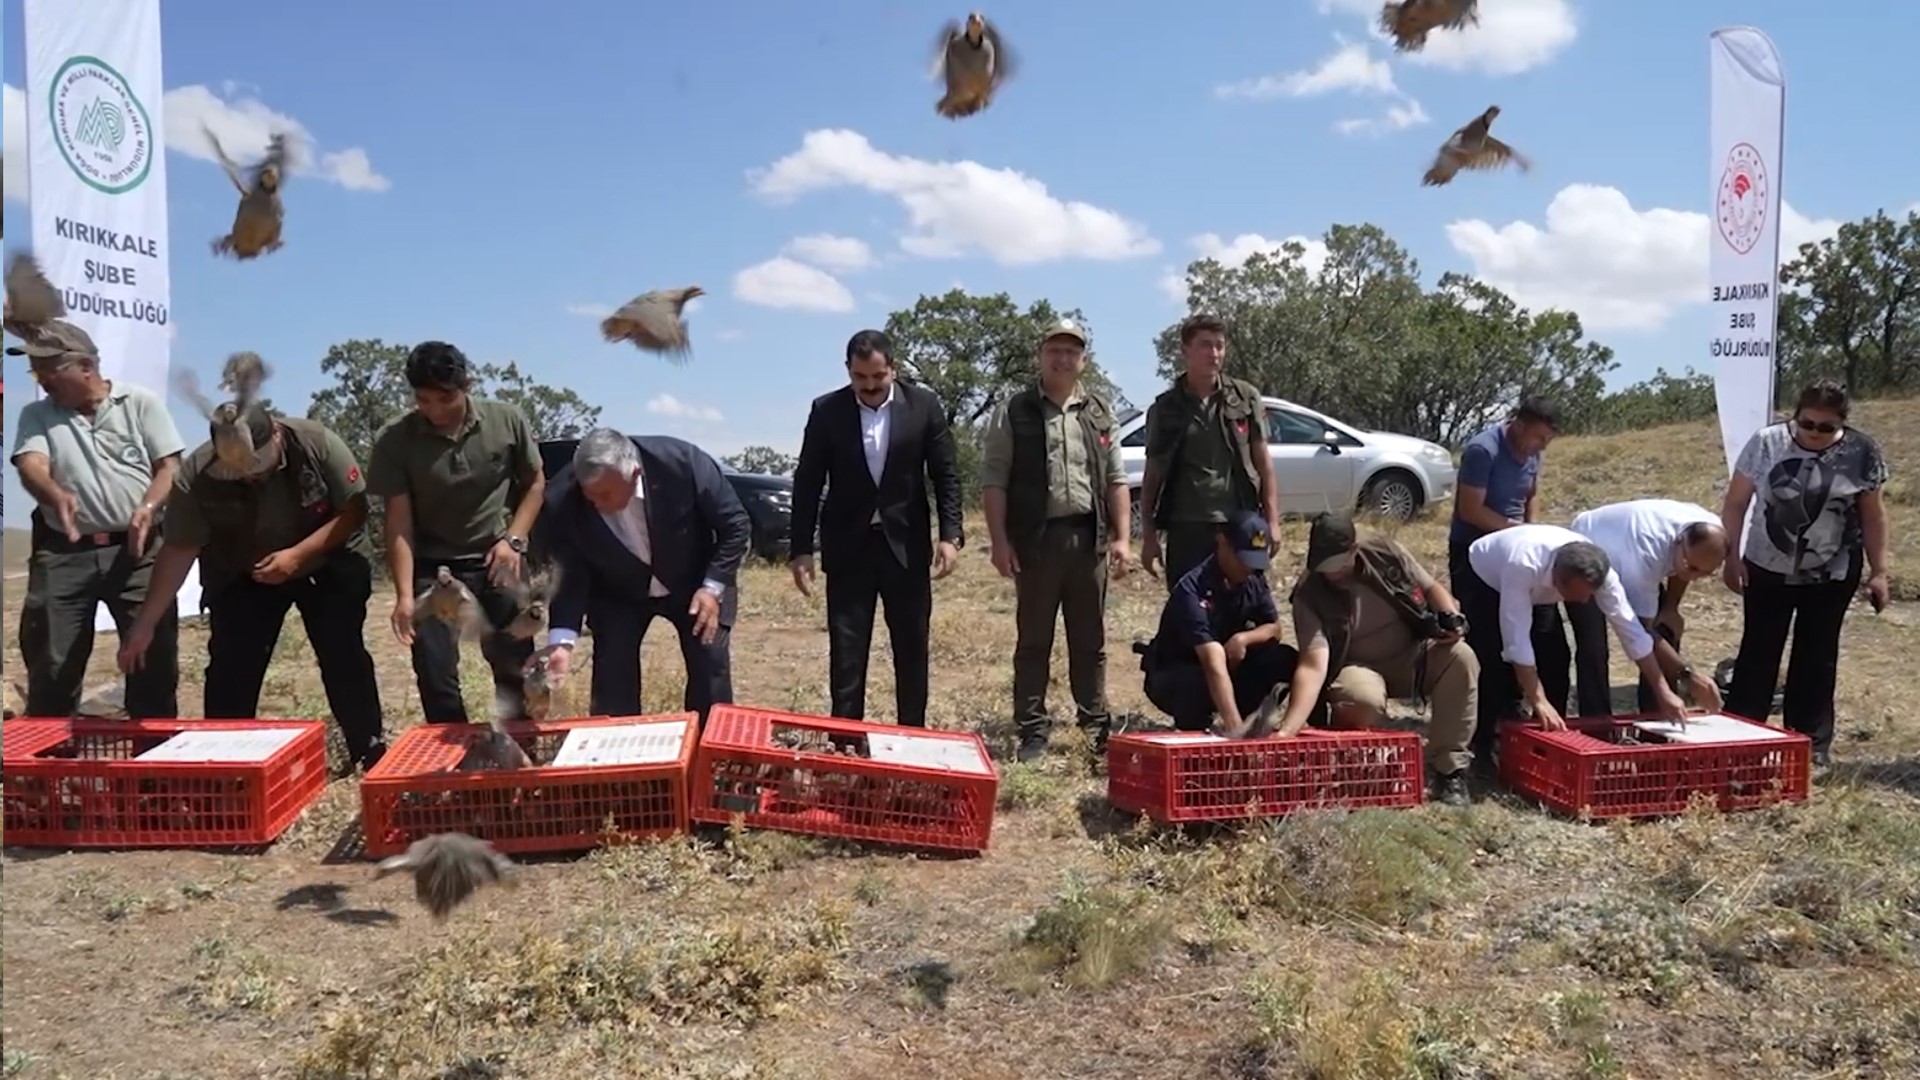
102 130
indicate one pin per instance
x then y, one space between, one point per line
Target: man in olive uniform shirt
288 530
1057 511
1206 455
99 457
463 486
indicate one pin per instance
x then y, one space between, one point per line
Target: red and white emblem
1741 209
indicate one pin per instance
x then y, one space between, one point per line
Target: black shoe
1098 731
1451 788
371 757
1033 747
1822 761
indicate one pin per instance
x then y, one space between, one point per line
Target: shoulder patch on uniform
353 474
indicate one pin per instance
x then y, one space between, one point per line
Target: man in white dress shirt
643 528
1544 564
1658 547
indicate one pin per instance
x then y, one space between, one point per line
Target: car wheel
1393 495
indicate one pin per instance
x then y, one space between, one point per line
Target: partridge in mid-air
1409 21
531 594
449 600
447 868
32 301
975 60
537 687
242 376
256 224
652 322
1472 148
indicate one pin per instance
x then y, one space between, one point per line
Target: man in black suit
874 445
642 528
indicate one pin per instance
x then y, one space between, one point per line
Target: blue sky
499 174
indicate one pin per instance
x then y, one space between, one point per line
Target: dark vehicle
768 499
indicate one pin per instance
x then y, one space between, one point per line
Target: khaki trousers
1451 685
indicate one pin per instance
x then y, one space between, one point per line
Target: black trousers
1180 689
66 583
1185 545
436 648
244 619
1591 651
1813 613
619 628
1499 687
859 580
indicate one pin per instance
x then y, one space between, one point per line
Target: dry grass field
1434 943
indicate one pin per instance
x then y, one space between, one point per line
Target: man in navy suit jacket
642 528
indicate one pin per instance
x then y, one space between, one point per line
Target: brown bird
32 301
531 594
256 224
447 868
1473 148
1261 723
537 688
501 749
233 450
1409 22
975 60
652 322
449 600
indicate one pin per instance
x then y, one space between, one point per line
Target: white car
1322 464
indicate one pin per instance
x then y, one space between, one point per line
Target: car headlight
1435 453
781 500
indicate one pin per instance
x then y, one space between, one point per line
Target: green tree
1360 339
1663 399
762 459
1857 315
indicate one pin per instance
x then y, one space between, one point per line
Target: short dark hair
436 365
1534 409
1194 325
866 343
1826 395
1584 561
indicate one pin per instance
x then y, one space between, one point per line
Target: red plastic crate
84 782
912 787
420 787
1181 776
1588 770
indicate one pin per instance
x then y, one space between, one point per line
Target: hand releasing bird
531 595
32 301
243 375
256 224
449 600
975 60
652 322
1261 723
447 868
1473 148
1409 22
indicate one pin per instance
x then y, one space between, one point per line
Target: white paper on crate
247 745
1711 728
921 751
622 744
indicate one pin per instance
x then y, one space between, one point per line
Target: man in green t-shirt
285 531
463 486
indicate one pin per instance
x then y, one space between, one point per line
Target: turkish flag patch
1105 440
1242 425
353 474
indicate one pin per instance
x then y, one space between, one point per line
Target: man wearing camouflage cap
283 530
1057 511
99 457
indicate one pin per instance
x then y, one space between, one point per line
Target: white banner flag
1743 265
97 175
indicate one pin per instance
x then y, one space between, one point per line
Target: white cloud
783 283
839 254
956 208
1617 267
242 124
669 406
1236 252
1351 68
1513 35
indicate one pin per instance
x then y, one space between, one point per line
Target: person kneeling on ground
1218 649
1373 624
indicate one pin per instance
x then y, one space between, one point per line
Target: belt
48 539
1074 521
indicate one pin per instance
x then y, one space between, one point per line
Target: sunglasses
1824 427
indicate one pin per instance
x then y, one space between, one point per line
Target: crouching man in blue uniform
1218 652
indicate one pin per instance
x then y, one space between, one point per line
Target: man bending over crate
1517 568
1218 650
1373 624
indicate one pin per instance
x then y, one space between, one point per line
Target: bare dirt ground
1434 943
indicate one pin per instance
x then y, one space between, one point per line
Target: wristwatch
518 544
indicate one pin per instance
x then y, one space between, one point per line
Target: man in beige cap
99 458
1057 513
